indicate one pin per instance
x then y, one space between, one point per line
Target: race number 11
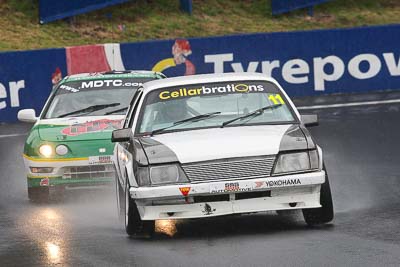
276 99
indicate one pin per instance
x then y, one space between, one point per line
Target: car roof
114 74
205 78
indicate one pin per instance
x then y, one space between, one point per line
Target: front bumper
69 172
296 191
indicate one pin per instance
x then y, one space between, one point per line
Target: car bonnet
222 143
78 128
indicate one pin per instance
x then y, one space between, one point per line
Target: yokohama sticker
277 183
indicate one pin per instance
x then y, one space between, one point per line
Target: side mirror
27 115
121 135
310 120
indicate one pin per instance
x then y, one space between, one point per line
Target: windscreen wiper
90 109
191 119
255 113
116 111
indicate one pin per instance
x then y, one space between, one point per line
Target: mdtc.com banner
305 63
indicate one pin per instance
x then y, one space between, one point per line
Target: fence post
187 6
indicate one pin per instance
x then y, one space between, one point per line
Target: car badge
61 137
102 150
184 190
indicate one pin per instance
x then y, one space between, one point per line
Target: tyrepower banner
305 63
50 10
283 6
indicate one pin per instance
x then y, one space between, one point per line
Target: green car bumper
59 181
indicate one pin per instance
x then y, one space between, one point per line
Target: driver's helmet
175 110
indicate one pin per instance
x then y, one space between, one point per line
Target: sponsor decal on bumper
246 186
224 187
231 187
185 190
100 160
277 183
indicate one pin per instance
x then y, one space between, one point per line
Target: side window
135 98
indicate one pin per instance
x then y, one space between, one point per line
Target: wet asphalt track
361 146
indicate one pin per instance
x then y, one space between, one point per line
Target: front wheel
120 200
134 225
325 213
38 194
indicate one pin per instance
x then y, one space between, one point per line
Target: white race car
217 144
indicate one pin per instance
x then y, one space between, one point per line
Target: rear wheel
133 223
38 194
325 213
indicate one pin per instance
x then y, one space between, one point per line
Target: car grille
230 169
88 172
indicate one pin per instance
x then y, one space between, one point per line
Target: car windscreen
97 97
214 104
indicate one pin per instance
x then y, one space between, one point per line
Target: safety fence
284 6
305 62
51 10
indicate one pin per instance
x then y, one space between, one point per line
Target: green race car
70 142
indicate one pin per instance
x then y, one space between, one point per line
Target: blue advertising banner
26 79
305 63
50 10
284 6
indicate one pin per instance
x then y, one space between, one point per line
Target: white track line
12 135
353 104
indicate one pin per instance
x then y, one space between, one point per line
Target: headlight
61 150
164 174
295 162
158 175
46 150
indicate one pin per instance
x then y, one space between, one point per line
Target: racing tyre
120 200
38 194
134 225
324 214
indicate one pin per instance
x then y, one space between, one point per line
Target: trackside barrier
305 63
51 10
187 5
284 6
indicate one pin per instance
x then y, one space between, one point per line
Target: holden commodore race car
69 144
217 144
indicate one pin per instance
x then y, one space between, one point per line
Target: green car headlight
61 150
162 174
46 151
297 162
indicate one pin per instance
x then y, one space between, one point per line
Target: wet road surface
361 148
